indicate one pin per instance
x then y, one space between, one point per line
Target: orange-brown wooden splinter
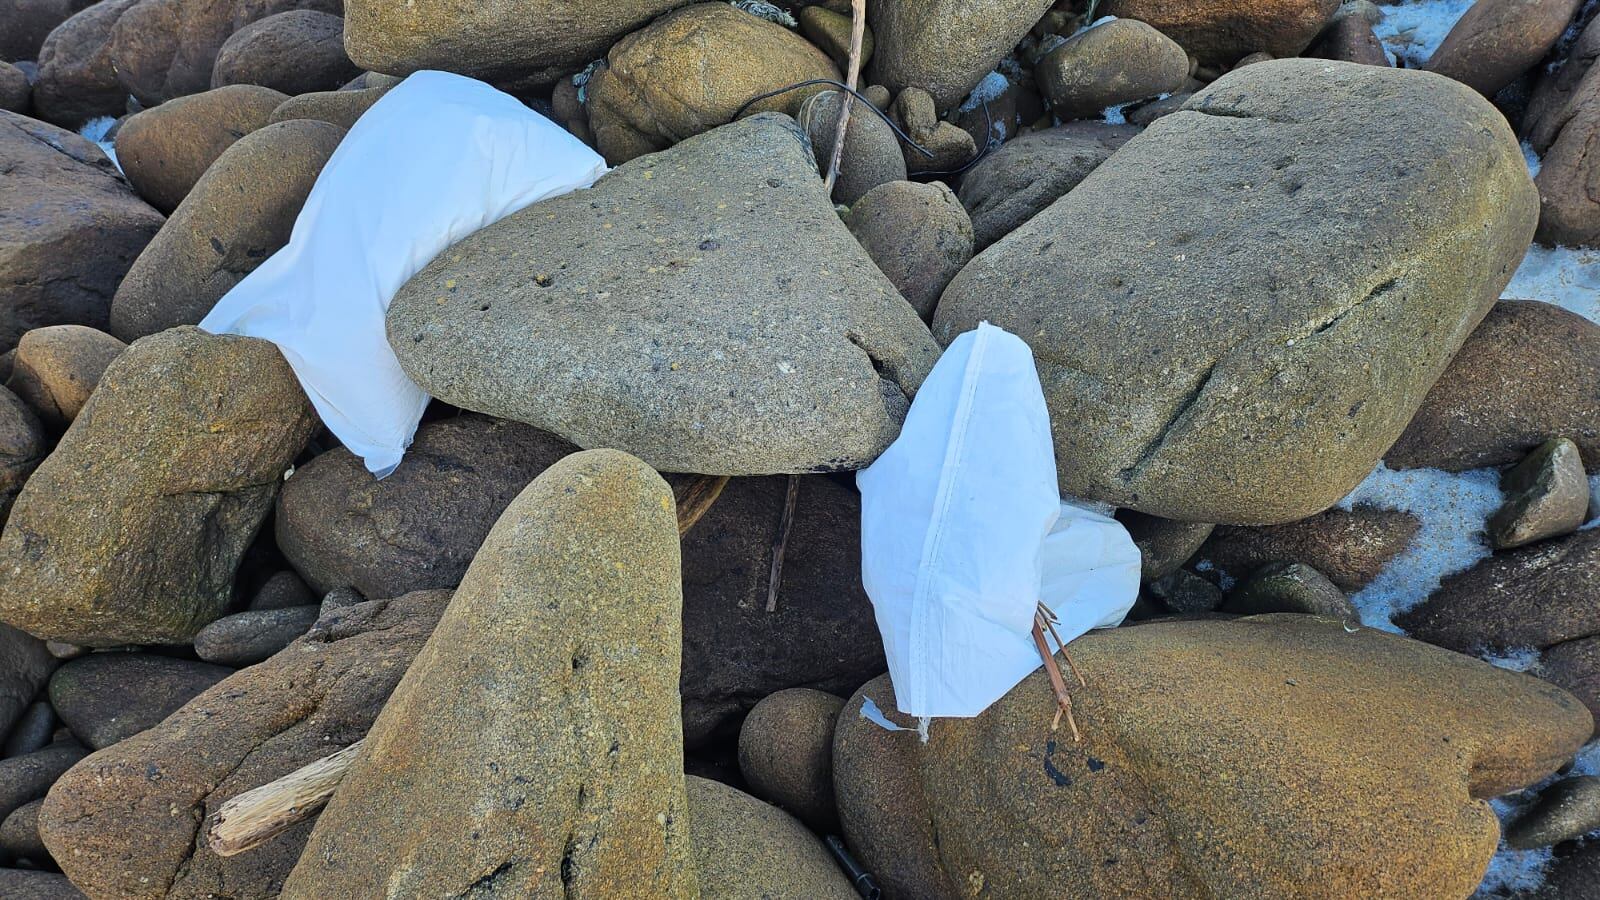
1044 619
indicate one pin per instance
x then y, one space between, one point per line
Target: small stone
1164 544
786 754
64 650
1291 587
1110 64
24 779
1145 113
341 597
952 147
19 835
916 114
247 638
32 731
1252 59
1351 39
919 235
1566 810
107 697
1547 495
872 154
25 667
1185 593
281 591
57 367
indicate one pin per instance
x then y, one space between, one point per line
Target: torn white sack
963 533
437 158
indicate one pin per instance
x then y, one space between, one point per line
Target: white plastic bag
963 534
437 158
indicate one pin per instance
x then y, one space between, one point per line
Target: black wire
843 87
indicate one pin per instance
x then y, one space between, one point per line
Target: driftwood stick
858 28
255 816
791 498
695 497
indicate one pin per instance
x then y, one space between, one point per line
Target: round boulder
871 150
918 235
1255 374
1496 41
786 754
747 850
295 52
240 212
57 368
944 47
1110 64
165 150
690 71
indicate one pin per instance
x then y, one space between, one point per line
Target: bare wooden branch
255 816
695 497
780 545
858 28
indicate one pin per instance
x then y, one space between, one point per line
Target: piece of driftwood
780 545
858 28
255 816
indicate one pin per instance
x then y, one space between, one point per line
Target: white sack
963 533
437 158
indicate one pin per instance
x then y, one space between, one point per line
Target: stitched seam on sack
935 542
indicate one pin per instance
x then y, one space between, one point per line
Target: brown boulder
820 634
57 368
419 527
27 22
70 228
165 150
77 81
689 72
918 235
786 754
1525 375
1026 174
296 52
240 212
1217 759
1110 64
167 48
130 532
1533 597
1498 40
1569 182
1350 38
1219 32
341 108
1560 94
538 721
1350 546
127 822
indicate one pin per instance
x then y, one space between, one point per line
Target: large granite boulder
77 81
690 71
500 41
297 51
70 227
419 527
702 308
238 214
127 822
167 48
1266 757
1495 41
1527 374
1028 173
944 47
130 532
820 633
534 747
164 151
1220 32
1254 374
747 850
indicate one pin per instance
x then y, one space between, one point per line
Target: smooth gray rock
31 732
1237 314
249 637
1547 495
25 667
1290 587
19 835
1028 173
107 697
1566 810
702 308
27 778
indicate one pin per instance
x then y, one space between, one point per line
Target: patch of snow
1224 580
1514 660
1567 277
1452 508
95 130
1588 761
1411 31
1594 503
1532 158
1513 873
988 90
1114 115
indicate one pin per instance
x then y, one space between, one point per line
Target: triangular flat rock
702 308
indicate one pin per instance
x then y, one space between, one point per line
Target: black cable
847 89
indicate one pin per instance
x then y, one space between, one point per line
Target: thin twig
1057 683
858 28
791 498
